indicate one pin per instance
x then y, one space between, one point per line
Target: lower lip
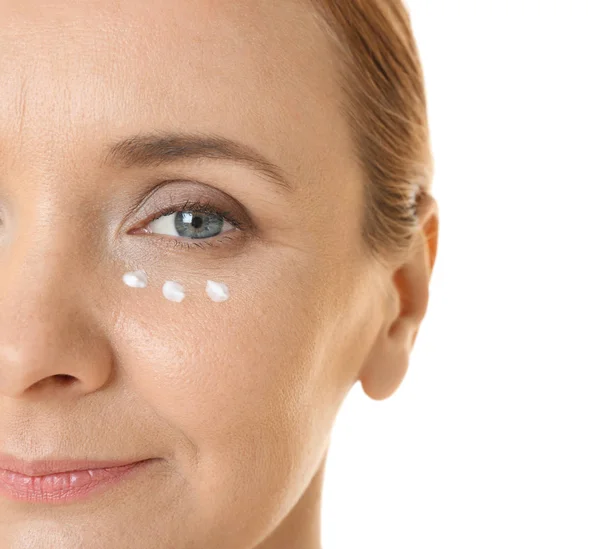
63 488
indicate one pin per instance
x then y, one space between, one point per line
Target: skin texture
237 399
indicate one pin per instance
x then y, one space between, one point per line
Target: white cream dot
217 291
136 279
173 291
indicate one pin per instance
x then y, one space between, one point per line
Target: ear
388 360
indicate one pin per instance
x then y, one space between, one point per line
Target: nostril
58 380
64 379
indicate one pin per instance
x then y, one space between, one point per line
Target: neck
301 528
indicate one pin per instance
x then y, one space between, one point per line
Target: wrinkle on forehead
259 70
151 42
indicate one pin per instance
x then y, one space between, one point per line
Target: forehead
81 72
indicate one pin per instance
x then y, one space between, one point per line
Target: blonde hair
383 82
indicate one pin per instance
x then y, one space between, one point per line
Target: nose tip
52 344
44 368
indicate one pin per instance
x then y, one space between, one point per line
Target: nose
51 340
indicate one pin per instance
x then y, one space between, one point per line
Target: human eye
192 224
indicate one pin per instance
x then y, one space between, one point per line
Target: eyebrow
160 148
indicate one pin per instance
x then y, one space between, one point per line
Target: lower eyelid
224 243
224 239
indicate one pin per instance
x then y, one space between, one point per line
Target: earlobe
386 366
388 361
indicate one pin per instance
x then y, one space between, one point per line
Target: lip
52 467
62 481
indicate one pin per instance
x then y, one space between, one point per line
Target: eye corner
138 230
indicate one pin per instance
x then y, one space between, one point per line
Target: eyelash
206 207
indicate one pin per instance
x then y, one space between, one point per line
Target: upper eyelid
182 192
205 208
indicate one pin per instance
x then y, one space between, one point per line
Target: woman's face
235 399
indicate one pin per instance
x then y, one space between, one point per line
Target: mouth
60 482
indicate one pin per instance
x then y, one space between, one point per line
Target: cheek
238 384
222 359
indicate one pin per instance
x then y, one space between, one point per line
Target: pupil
197 222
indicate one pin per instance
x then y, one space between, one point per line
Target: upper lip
55 466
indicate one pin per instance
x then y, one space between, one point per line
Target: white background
492 440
